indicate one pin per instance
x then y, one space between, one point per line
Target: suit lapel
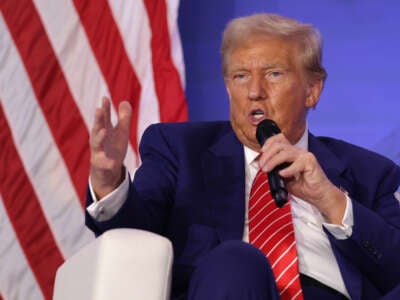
337 172
223 173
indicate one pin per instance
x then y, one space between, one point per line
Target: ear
228 91
227 88
314 90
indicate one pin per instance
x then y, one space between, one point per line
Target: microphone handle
277 186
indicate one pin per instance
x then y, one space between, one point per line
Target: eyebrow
264 67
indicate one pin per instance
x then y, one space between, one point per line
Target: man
195 183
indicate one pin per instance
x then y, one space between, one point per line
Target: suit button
366 244
376 254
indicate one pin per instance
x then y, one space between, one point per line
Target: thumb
124 115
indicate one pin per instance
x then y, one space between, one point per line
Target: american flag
57 59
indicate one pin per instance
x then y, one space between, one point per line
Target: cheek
236 114
237 104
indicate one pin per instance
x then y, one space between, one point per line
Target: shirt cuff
342 232
108 207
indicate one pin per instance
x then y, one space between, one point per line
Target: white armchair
120 264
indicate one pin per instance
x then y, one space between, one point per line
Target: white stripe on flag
28 114
133 24
76 58
39 154
16 278
176 46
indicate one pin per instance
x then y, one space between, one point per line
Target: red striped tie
271 230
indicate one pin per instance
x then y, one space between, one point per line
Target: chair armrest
120 264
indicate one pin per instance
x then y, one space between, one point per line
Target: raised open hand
108 146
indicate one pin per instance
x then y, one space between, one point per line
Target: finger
278 138
305 162
274 153
98 121
279 158
124 116
272 150
106 112
97 139
294 170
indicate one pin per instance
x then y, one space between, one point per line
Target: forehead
261 52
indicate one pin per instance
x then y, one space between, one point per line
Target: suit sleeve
374 245
151 193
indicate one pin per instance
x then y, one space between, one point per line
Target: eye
274 75
240 77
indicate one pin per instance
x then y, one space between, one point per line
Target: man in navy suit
194 181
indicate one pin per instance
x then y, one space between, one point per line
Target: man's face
264 80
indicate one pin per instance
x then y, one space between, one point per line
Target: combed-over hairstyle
305 36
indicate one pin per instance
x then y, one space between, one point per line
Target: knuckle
308 157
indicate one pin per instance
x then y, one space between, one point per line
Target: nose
256 89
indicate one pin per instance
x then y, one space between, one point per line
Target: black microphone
266 129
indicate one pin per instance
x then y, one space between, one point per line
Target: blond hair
305 37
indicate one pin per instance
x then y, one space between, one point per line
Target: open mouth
256 116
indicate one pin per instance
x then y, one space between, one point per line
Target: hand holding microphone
266 129
311 183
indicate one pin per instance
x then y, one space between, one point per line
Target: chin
252 143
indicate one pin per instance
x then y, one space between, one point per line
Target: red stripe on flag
51 89
168 85
26 216
108 47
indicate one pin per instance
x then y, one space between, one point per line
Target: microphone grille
266 129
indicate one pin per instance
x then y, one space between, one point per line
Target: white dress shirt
315 255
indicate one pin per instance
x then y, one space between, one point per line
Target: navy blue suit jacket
190 188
